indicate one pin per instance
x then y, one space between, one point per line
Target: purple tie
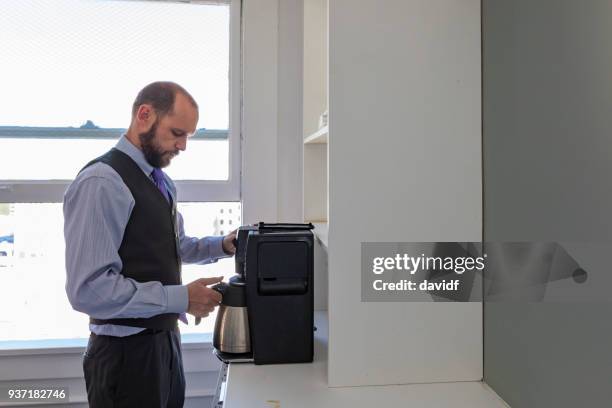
158 178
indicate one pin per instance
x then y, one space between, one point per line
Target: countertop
305 386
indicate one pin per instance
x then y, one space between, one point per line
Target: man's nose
182 144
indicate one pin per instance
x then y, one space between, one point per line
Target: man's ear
145 113
145 117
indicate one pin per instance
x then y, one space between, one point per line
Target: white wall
315 61
290 111
272 111
405 165
260 110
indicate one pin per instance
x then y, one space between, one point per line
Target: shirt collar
125 146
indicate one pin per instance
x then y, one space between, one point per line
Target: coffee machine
266 315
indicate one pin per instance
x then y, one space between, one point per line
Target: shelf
318 137
320 231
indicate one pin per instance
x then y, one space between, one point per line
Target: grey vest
149 249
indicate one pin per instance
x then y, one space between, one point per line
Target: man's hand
202 299
228 243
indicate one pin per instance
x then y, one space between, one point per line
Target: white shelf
318 137
320 231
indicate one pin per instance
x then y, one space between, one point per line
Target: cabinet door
547 147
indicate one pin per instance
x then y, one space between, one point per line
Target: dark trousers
142 370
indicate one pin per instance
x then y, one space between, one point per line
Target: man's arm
97 207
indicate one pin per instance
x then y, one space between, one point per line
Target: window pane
66 62
33 302
204 219
39 159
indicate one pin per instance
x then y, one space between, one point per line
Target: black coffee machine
266 315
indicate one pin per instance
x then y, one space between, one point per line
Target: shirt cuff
216 247
178 298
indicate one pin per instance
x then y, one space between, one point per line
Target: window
72 68
70 72
33 303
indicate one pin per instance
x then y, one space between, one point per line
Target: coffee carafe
231 334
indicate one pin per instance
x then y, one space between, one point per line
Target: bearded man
125 243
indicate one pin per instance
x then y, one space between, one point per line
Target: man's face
168 135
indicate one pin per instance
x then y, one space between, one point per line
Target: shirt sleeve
97 207
199 250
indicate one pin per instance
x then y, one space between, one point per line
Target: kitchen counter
305 386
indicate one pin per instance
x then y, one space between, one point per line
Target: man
124 247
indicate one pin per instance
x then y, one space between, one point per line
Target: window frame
52 191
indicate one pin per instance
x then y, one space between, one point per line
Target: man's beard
152 152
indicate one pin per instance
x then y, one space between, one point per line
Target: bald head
161 96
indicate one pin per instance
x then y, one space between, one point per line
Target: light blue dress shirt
97 207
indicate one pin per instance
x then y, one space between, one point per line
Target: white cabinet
398 162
